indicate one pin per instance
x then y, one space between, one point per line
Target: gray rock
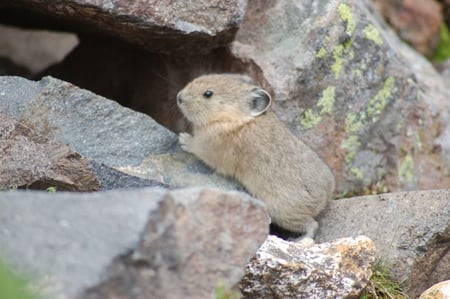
345 84
105 132
157 26
111 179
135 244
410 230
281 269
35 49
438 291
29 160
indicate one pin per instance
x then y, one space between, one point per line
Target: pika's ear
259 101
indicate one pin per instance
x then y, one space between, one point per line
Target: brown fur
235 133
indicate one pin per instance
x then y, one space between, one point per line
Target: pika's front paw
185 140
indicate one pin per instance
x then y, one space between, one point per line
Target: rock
111 179
438 291
383 133
29 160
162 27
35 49
411 232
389 132
135 244
105 132
418 22
281 269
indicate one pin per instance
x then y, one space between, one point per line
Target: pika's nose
179 99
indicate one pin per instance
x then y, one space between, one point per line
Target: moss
11 286
223 292
321 53
442 51
51 189
379 102
381 285
309 119
326 102
346 14
338 60
406 169
373 34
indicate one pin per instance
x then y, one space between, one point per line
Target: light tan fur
236 133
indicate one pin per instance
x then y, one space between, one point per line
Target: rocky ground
160 223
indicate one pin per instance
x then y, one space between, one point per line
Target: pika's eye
207 94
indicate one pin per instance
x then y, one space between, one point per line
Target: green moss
346 14
442 51
223 292
379 102
309 119
326 102
321 53
338 64
51 189
381 286
11 286
373 34
406 169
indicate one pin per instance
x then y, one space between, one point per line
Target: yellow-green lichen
326 102
373 34
309 119
406 169
352 123
357 173
338 60
321 53
379 102
346 14
351 145
400 125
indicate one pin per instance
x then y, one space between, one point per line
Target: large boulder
352 90
173 26
411 232
147 243
28 160
104 131
281 269
417 22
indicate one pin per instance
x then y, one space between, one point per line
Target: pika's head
222 98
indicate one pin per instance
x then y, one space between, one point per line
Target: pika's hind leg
310 228
306 225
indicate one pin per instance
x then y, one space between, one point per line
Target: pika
236 133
